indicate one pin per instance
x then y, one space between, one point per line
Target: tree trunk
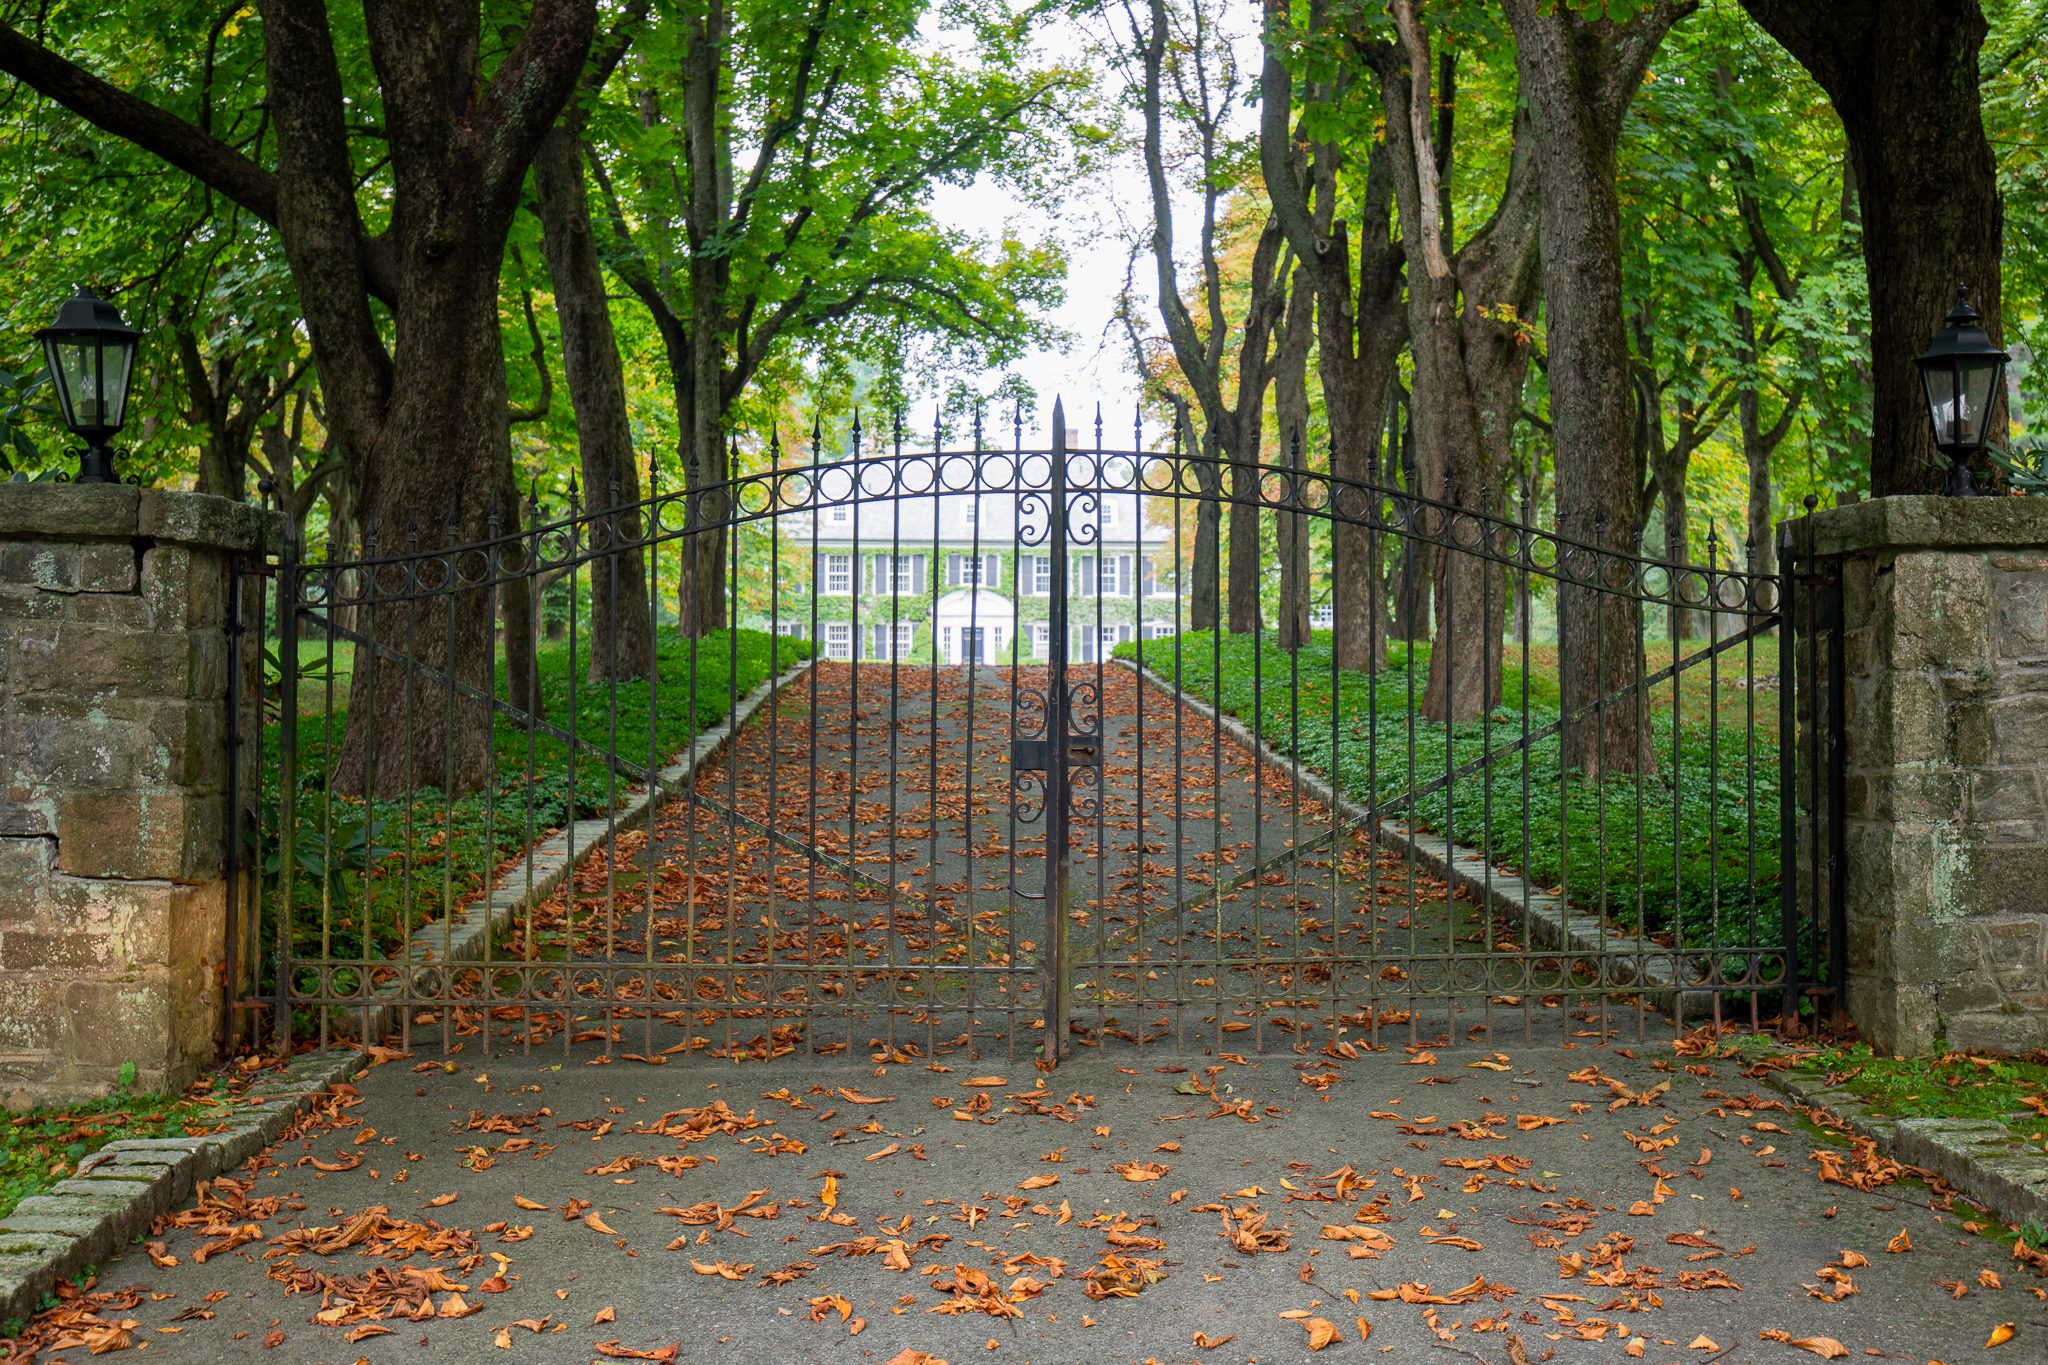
1903 77
1358 341
1677 540
1470 361
1578 75
1413 569
621 632
1290 409
1359 323
419 736
1247 563
707 161
1205 612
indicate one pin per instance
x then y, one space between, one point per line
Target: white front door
974 626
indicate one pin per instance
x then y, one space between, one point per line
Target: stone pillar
113 777
1945 609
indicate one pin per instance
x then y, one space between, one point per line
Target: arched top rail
1467 525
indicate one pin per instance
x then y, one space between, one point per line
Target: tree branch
163 134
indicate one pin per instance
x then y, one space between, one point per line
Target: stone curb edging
1550 921
1980 1157
118 1191
463 936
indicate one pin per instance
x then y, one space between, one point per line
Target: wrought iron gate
968 764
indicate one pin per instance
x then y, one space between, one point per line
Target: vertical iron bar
1788 775
1837 794
1056 730
288 773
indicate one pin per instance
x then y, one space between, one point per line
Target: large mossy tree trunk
1578 75
1903 77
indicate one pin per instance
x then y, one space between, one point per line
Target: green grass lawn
1673 853
368 873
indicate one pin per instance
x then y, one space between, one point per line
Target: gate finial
1059 425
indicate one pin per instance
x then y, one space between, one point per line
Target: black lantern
1961 371
91 353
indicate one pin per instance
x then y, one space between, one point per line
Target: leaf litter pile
843 1219
748 945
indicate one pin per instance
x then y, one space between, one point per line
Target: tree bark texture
1903 77
1290 410
1360 326
1578 76
1464 327
1413 568
621 630
1206 611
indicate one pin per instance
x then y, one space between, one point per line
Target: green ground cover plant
1950 1085
367 873
1670 854
40 1147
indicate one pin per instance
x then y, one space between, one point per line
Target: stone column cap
1924 523
109 511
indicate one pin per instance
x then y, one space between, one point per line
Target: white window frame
838 639
1158 577
1323 617
1034 576
835 568
1041 640
1092 644
793 629
958 564
878 639
1160 630
1118 581
886 575
841 515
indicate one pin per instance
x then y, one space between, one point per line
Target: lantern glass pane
1941 382
70 369
1978 377
118 362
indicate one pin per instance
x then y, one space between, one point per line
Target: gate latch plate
1035 755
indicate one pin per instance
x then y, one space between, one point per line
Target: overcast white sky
1096 365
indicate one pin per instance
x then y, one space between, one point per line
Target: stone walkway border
118 1191
1980 1157
1550 921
